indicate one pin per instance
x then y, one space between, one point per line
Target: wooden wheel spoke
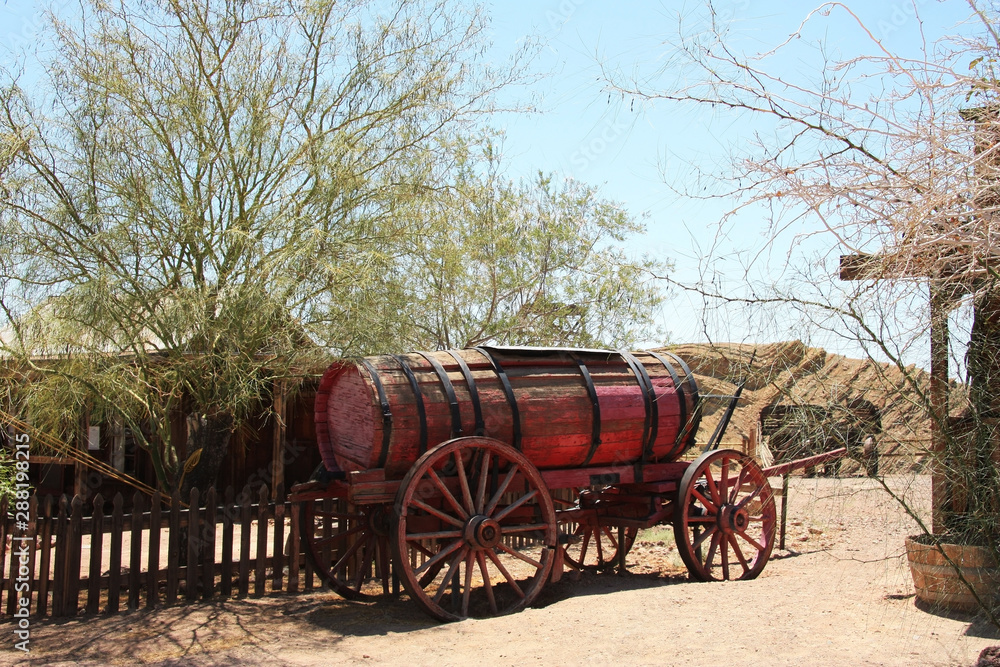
436 535
740 481
708 518
446 493
463 482
484 474
448 577
517 554
739 553
600 548
422 549
467 593
752 542
487 584
611 536
724 482
498 494
724 552
439 556
701 538
353 549
438 513
712 549
506 575
746 501
709 505
586 542
713 488
514 505
524 528
366 560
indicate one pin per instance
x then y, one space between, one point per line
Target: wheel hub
379 522
481 532
734 519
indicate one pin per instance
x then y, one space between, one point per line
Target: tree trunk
209 435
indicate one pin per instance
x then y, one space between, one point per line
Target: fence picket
96 552
135 557
277 573
45 557
260 578
228 512
153 566
59 583
74 538
174 547
33 554
293 550
115 572
193 540
244 588
208 547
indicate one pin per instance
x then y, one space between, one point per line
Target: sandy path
840 595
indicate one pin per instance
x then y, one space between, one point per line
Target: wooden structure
94 556
474 476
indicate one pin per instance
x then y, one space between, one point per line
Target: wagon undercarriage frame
474 529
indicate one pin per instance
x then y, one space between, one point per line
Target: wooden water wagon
475 476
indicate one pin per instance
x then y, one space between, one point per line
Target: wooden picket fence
157 554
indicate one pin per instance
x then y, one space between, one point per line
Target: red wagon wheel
349 547
476 530
595 547
725 518
589 545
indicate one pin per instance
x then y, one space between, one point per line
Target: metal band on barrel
421 411
649 395
449 390
681 402
595 433
386 412
470 382
689 430
508 391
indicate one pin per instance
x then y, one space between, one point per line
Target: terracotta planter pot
937 583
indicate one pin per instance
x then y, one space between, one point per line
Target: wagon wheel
349 548
724 518
587 544
457 509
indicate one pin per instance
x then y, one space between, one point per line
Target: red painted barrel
562 408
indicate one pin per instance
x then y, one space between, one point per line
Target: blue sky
581 132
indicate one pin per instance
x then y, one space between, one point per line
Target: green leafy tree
198 199
213 188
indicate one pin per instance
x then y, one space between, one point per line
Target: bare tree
891 164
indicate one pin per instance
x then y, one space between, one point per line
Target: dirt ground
840 594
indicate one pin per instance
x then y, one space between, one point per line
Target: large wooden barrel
562 408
